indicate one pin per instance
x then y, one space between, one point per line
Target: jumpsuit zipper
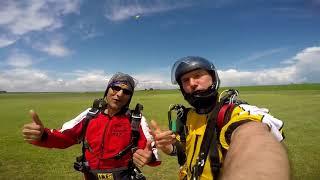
102 143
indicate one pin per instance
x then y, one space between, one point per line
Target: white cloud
33 80
118 10
305 67
87 31
5 41
54 48
21 77
308 64
288 61
158 80
19 60
234 77
65 6
21 17
94 80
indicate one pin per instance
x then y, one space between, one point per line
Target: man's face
196 80
118 96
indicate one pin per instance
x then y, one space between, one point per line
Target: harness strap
135 118
109 170
110 174
131 171
209 140
214 157
222 114
216 119
181 129
81 164
90 115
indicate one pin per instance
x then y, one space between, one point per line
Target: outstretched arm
254 153
35 132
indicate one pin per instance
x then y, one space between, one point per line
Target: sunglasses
118 88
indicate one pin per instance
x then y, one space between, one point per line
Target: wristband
174 151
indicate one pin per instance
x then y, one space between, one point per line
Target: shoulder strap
97 106
181 111
225 109
209 141
135 118
229 99
214 157
215 120
181 123
183 132
178 126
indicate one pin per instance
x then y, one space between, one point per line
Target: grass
297 105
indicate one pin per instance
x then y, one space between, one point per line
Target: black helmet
202 101
120 77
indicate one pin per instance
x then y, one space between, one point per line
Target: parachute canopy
138 16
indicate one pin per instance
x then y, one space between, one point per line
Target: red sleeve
60 139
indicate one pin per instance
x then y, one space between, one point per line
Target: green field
297 105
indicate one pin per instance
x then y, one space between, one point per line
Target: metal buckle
134 116
94 112
105 176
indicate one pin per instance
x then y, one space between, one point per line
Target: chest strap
135 118
209 143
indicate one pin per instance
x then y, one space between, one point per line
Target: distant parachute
138 16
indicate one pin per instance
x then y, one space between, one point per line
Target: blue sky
76 45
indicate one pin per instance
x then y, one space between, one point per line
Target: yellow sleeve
246 113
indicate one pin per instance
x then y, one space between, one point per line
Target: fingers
141 157
165 136
31 135
162 139
155 126
32 126
35 117
33 131
138 162
165 142
28 132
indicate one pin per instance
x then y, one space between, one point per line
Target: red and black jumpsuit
105 135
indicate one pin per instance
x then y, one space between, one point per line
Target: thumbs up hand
33 131
163 139
143 156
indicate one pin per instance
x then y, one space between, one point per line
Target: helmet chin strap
202 101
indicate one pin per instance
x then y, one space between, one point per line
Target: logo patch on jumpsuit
119 130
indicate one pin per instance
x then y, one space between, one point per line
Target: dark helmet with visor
202 101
